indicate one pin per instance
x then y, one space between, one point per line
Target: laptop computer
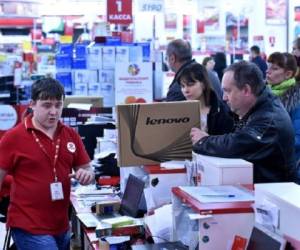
129 204
132 197
262 238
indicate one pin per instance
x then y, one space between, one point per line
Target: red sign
119 11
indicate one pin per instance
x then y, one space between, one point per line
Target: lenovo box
156 132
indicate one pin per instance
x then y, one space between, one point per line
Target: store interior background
173 20
211 26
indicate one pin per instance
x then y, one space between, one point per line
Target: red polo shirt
31 207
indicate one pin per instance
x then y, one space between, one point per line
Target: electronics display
132 196
262 238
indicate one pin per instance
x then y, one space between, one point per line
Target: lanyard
57 146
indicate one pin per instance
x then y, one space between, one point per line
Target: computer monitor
262 238
132 196
94 101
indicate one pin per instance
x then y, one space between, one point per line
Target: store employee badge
71 147
56 191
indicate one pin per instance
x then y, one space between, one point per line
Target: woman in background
215 118
281 78
221 64
209 63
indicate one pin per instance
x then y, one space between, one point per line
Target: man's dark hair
247 73
181 49
255 49
47 88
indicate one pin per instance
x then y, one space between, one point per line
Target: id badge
56 191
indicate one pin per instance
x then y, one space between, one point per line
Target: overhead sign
8 117
119 11
151 5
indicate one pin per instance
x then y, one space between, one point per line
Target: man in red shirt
41 153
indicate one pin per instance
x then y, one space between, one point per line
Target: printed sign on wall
151 5
8 117
133 83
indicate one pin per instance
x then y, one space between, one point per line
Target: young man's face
47 112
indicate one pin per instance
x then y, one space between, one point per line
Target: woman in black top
215 117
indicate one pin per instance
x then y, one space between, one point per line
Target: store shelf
16 22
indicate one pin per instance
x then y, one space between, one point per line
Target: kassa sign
119 11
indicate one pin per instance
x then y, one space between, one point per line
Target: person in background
215 117
264 134
209 63
296 53
40 154
221 64
178 56
281 78
258 60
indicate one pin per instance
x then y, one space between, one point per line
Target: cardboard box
281 202
94 57
156 132
94 101
223 171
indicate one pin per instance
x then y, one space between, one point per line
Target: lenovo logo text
150 121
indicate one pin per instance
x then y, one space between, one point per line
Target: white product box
94 57
135 54
80 89
81 76
94 89
107 83
223 171
161 181
108 93
93 76
106 76
122 54
211 226
286 197
108 57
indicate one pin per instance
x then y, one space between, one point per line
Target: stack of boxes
90 69
63 60
80 72
106 74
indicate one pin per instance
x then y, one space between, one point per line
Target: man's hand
197 134
85 176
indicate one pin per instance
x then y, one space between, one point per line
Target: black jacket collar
178 73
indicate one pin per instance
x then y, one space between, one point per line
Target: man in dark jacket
179 55
258 60
264 134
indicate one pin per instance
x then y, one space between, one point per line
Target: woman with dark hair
215 115
281 78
